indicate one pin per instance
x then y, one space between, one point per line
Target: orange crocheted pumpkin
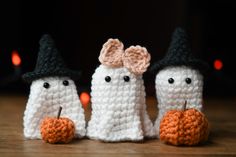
184 127
57 130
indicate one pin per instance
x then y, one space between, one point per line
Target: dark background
80 28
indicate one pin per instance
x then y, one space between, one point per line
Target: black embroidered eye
188 80
126 78
171 80
65 83
107 78
46 85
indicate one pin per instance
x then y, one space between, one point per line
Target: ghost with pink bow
118 95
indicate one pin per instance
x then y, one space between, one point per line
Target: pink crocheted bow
135 58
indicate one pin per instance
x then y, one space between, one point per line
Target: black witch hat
49 62
179 53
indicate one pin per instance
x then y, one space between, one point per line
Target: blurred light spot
218 64
15 58
84 98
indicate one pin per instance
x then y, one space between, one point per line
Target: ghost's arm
32 116
73 109
148 128
79 120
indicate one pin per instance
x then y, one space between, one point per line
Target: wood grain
222 142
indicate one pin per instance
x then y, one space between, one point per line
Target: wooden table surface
222 141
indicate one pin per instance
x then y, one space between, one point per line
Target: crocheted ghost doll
52 86
179 78
118 95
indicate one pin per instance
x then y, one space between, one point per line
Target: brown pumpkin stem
185 105
59 112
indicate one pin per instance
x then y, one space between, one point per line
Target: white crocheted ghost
174 86
52 86
118 95
179 78
46 95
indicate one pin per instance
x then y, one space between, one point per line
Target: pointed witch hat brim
49 62
34 75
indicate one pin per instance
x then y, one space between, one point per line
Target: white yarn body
118 107
44 102
173 96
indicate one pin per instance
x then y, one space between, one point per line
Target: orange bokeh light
15 58
218 64
84 98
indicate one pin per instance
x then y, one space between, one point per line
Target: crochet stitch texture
55 130
49 62
187 127
173 96
44 102
118 103
52 86
178 77
179 53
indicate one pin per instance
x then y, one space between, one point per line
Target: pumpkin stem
185 105
59 112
